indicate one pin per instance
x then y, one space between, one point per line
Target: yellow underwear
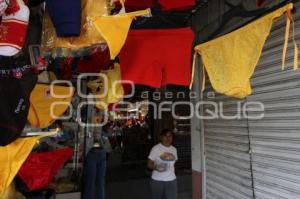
230 60
40 114
114 29
97 87
13 156
88 35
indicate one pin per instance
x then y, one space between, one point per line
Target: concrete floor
139 189
131 181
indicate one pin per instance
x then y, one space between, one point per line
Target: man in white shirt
161 161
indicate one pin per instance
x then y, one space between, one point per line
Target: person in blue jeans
94 174
161 161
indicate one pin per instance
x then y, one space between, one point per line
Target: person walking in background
161 161
119 135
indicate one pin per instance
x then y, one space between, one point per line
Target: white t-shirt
164 158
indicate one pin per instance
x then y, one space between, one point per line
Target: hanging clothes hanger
241 11
53 132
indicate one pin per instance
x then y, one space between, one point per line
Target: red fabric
66 68
157 57
13 7
12 33
95 62
260 2
40 168
132 5
26 2
168 5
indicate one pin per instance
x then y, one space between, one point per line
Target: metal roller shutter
275 139
272 169
227 153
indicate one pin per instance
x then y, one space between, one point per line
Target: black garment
163 20
94 174
38 194
14 103
17 80
33 3
41 194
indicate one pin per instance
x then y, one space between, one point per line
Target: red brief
157 57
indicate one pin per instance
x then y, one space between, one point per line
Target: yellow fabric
88 36
46 77
288 24
40 104
12 157
230 60
114 29
11 193
97 87
52 77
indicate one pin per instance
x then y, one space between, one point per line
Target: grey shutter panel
227 153
275 139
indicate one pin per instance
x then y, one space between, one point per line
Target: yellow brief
88 35
230 60
114 29
97 87
12 157
40 113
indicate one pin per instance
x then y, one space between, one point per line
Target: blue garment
94 174
66 16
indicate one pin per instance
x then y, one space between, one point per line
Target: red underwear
157 57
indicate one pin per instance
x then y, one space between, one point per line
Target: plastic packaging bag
89 36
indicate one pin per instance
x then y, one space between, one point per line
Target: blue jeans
94 174
164 190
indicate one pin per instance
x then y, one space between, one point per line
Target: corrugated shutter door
275 139
227 153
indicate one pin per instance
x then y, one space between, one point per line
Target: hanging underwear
230 60
41 102
13 29
45 166
16 84
13 156
114 29
88 34
98 88
157 57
